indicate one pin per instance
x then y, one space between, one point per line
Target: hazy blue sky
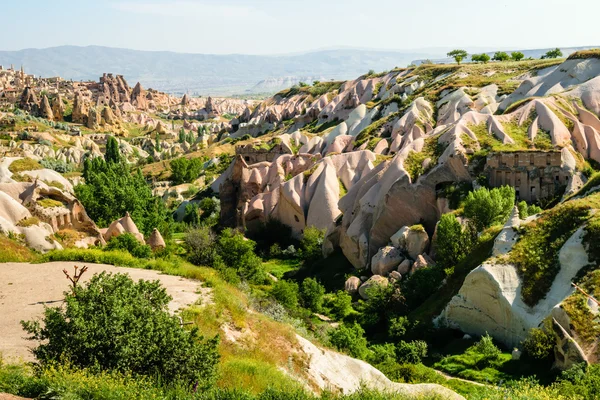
284 26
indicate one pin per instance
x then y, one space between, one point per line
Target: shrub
184 170
411 352
453 243
30 221
49 203
487 207
312 293
539 344
487 349
350 338
526 210
382 354
24 164
200 244
398 327
338 305
517 56
57 165
115 324
312 243
501 56
129 243
556 53
482 58
286 293
238 252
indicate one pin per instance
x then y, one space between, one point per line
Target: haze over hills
204 73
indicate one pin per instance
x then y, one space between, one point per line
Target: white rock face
332 371
507 238
386 260
490 298
413 241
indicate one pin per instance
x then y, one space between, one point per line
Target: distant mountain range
205 73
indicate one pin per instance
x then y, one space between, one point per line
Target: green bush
116 324
200 244
286 293
526 210
311 294
382 354
349 338
129 243
398 327
501 56
411 352
338 305
487 207
185 170
312 243
540 343
487 349
453 243
238 252
57 165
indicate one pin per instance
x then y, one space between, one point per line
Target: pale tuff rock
156 241
386 260
404 267
490 298
567 351
352 284
507 238
332 371
414 241
422 261
123 225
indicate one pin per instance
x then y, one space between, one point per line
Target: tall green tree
458 55
453 242
501 56
555 53
113 153
517 56
487 207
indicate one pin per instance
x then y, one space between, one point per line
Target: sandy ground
26 288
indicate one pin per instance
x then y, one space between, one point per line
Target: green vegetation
129 243
111 189
481 58
458 55
487 207
536 253
11 250
454 242
517 56
526 210
585 54
414 162
49 203
185 170
501 56
30 221
556 53
142 338
24 164
315 91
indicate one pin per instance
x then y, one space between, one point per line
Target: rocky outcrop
490 298
123 225
58 108
29 101
386 260
156 241
45 111
374 281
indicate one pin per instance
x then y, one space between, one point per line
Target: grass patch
49 203
279 267
468 366
26 222
585 54
13 251
55 184
413 164
536 253
343 190
24 164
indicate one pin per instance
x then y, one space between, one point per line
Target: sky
291 26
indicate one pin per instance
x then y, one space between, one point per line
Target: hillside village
429 231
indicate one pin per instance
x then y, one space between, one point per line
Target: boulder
404 267
386 260
414 240
352 284
395 276
422 261
375 280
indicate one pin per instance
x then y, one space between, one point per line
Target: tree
112 154
458 55
111 189
238 252
482 58
488 207
517 56
157 146
286 293
501 56
338 305
185 170
411 352
182 136
556 53
312 243
115 324
200 244
487 350
312 293
129 243
350 338
453 243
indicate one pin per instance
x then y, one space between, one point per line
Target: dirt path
26 288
